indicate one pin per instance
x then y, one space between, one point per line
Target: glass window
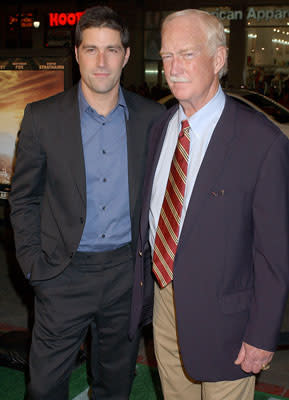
267 34
151 73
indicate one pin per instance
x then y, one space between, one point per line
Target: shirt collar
204 117
122 102
84 106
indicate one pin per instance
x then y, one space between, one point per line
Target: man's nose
176 66
100 59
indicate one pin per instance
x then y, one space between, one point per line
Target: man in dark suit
215 216
75 205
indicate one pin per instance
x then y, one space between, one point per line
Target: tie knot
185 124
185 128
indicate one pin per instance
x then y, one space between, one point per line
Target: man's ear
220 58
126 57
76 53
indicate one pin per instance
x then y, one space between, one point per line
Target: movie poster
22 80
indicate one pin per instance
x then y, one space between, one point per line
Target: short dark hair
101 17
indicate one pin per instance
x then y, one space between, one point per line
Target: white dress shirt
202 125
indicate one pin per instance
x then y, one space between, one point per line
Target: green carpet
146 385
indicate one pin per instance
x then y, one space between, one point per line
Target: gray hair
213 28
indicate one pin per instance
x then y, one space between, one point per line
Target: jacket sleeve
271 247
26 193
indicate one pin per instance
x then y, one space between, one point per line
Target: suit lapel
72 141
155 148
135 148
132 145
212 165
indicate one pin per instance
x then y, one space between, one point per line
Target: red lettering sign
53 19
79 14
62 19
71 19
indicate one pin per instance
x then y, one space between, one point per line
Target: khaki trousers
175 383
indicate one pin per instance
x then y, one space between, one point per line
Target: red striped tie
167 234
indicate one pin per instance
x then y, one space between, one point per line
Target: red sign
26 21
63 19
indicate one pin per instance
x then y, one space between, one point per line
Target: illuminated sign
64 19
26 21
252 13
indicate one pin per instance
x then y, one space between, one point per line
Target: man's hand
252 359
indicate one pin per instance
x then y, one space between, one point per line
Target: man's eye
191 54
166 57
90 50
113 50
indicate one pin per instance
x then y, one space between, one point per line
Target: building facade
257 35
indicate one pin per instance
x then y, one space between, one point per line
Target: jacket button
140 253
81 220
141 283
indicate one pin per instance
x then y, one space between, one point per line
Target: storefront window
151 73
152 44
267 67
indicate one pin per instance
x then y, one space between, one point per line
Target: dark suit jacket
48 196
231 270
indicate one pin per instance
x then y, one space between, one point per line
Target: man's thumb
241 356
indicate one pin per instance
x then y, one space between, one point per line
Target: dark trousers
93 291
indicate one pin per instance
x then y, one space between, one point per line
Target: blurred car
278 114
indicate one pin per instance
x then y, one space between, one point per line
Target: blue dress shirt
107 224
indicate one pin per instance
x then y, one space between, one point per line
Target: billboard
24 78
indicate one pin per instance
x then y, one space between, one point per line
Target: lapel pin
219 193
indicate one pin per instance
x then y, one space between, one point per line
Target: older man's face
191 72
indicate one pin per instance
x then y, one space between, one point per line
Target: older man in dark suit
216 219
75 205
